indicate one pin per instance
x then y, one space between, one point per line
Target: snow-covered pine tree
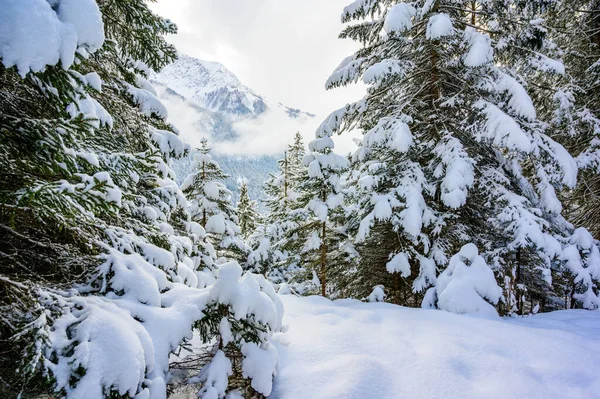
248 216
281 188
100 272
575 26
582 259
317 239
282 196
296 170
550 47
453 151
211 206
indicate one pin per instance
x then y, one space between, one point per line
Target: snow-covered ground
349 349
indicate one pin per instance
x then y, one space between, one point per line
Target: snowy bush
467 285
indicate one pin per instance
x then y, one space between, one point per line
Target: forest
473 190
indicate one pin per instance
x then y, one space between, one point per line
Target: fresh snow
37 33
480 48
463 285
149 104
353 350
439 25
399 18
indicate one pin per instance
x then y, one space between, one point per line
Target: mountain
210 86
205 99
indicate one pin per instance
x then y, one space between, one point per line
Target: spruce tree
269 255
211 206
575 27
248 216
318 236
453 150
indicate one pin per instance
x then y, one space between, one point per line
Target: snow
85 17
582 259
125 338
260 364
91 110
214 377
399 264
459 172
212 190
377 295
211 86
381 70
392 132
216 224
34 35
136 278
353 350
247 295
169 143
501 129
94 81
112 347
398 18
519 102
546 64
438 26
463 285
149 104
321 144
480 48
346 72
358 6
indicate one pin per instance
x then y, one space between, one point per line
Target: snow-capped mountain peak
211 86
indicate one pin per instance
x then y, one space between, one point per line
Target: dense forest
474 188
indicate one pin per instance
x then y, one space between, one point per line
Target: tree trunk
435 76
518 281
323 261
285 176
204 180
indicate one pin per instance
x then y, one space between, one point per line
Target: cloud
269 134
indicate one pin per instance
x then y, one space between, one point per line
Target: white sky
282 49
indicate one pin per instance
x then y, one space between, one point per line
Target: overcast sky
283 49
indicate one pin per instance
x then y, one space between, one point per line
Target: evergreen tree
211 206
246 209
318 236
296 170
282 200
453 149
282 188
575 26
101 275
